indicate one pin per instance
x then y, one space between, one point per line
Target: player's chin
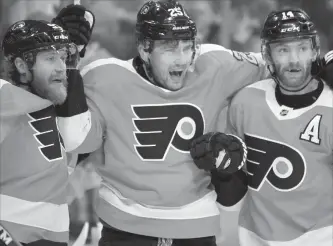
175 84
294 83
58 97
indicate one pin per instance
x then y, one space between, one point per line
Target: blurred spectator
235 24
207 19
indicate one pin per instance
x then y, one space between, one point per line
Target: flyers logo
276 163
160 127
44 124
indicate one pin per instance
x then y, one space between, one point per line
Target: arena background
235 24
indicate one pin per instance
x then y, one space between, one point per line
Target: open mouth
58 80
177 73
294 70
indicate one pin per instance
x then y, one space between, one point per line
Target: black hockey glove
6 239
218 151
79 23
76 102
326 72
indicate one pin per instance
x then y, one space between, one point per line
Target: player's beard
57 93
293 77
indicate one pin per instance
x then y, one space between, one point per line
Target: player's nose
181 55
294 56
60 66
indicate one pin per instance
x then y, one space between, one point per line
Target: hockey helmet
289 23
164 20
28 37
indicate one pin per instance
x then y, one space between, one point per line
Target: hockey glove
6 239
78 22
75 102
218 151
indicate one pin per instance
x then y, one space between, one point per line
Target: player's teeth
176 73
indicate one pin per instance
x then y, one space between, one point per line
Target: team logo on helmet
144 10
18 25
56 27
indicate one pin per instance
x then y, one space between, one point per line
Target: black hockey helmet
289 23
164 20
28 37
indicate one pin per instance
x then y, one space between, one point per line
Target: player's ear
265 55
21 65
23 69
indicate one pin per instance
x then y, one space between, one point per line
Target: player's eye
50 58
169 49
304 48
64 57
282 50
170 45
188 48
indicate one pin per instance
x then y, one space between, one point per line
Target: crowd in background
235 24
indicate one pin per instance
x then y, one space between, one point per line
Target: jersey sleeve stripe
205 207
34 214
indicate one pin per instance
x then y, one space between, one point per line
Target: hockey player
287 124
144 114
34 172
